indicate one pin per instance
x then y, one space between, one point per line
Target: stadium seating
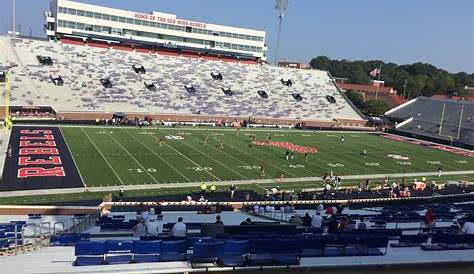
146 251
89 253
82 67
233 253
442 241
173 250
427 118
68 239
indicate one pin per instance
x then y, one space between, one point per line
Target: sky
440 32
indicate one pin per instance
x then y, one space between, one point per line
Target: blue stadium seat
206 252
173 250
118 252
313 246
260 252
146 251
233 253
68 239
288 251
442 241
410 240
89 253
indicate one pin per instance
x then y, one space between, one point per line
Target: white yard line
73 160
131 156
222 151
259 159
156 138
152 151
103 157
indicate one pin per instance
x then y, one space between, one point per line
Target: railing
82 224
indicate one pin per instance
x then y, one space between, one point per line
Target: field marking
73 160
103 157
152 151
222 151
165 186
214 160
259 159
156 138
129 154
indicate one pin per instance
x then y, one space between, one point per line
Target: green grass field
115 156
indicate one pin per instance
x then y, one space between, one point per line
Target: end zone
40 159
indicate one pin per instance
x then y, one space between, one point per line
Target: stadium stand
425 117
72 77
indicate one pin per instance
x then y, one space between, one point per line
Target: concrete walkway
220 183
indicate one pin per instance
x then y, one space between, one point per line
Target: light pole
281 6
13 18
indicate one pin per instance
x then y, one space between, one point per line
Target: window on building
122 19
89 14
81 13
97 15
106 17
114 18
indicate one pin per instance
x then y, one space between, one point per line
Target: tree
422 79
375 107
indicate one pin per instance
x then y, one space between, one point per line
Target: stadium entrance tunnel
38 158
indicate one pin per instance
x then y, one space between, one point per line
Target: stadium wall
430 139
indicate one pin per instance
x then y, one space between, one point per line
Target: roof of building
364 87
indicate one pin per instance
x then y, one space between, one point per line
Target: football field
108 156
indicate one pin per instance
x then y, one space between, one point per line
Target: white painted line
103 157
131 156
220 151
156 138
73 160
152 151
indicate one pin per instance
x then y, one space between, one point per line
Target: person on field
160 142
9 151
342 138
287 155
232 189
221 145
440 171
306 156
121 193
213 188
262 171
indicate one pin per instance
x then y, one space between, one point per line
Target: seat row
229 252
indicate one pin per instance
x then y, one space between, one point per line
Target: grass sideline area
295 186
114 155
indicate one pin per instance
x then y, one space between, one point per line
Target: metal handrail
54 227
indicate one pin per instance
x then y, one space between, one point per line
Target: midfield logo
287 145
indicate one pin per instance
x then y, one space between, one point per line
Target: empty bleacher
302 95
428 119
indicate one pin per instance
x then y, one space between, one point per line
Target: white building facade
69 18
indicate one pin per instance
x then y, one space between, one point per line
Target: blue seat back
118 246
147 247
261 246
89 248
179 246
207 249
235 247
315 242
288 246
